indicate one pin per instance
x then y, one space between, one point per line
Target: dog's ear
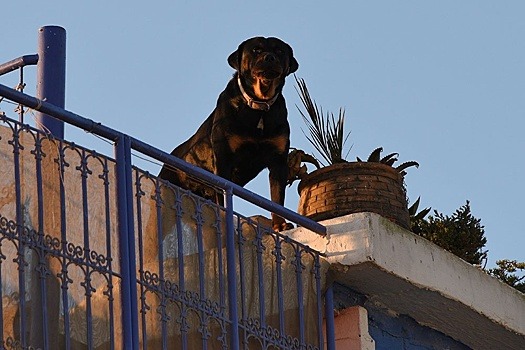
234 60
294 65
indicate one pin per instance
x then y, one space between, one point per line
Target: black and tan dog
248 130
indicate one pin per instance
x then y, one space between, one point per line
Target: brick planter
354 187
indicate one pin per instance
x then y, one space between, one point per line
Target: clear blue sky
442 83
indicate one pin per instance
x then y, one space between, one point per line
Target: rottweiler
248 130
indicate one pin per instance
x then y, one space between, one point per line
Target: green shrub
506 271
461 233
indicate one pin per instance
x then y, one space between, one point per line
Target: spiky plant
390 159
327 135
415 215
326 132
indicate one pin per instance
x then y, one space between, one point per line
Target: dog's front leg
223 167
278 176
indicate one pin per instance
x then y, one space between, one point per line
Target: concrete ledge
414 277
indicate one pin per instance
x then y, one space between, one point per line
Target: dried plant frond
326 132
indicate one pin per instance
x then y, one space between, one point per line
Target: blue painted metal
160 243
19 226
27 60
59 247
111 134
299 282
329 317
83 168
280 286
127 243
131 239
185 304
65 281
231 270
19 63
51 76
181 275
140 234
107 211
317 273
44 316
241 242
260 272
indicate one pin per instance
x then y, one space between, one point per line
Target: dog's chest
257 146
258 133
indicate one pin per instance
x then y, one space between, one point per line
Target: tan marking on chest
279 142
236 141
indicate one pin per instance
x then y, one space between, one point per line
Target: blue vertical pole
127 243
51 76
329 318
231 270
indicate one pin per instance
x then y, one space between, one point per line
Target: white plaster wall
410 275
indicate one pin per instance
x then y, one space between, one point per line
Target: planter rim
353 187
318 174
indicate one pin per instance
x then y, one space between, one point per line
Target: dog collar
254 104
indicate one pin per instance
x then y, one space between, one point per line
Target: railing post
329 318
18 63
126 243
231 270
51 76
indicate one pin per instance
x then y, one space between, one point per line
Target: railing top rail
26 60
114 135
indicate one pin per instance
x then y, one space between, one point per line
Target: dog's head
263 64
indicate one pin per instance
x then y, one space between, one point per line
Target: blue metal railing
233 303
155 153
51 75
20 62
126 237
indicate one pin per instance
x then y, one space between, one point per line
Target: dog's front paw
282 226
287 226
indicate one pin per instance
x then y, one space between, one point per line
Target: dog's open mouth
268 74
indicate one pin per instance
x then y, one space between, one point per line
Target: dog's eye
279 51
257 50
